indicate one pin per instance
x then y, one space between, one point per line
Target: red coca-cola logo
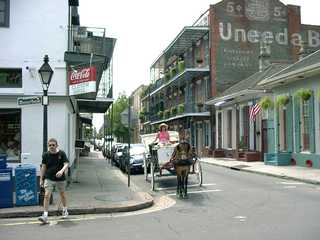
83 75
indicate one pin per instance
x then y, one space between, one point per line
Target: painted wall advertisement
82 81
243 24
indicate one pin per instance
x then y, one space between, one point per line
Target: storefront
10 134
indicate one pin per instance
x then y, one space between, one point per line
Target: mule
182 172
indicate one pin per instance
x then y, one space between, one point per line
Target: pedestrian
53 174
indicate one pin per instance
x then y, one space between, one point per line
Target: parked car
137 155
119 155
114 148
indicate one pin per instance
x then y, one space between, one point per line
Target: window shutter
311 123
289 123
297 124
270 132
276 130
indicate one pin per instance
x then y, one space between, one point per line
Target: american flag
254 110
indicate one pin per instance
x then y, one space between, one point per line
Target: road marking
191 185
241 218
195 192
291 183
160 203
289 187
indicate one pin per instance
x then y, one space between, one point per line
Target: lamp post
45 73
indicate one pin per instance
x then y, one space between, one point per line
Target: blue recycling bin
6 188
3 161
26 185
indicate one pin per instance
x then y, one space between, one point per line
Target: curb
133 205
315 182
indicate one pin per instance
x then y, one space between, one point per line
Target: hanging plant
282 100
266 103
304 94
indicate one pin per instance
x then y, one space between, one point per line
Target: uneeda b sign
240 26
82 81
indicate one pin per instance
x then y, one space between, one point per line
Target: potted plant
304 94
173 72
167 76
167 113
173 111
181 66
282 100
266 103
181 108
141 116
160 114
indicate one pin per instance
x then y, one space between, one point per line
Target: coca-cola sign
82 81
82 75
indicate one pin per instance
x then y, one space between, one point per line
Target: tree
119 130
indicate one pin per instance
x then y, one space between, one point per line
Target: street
230 205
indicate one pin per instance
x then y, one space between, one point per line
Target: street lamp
45 73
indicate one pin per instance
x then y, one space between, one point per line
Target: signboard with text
240 26
82 81
28 100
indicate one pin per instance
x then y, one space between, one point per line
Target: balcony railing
87 40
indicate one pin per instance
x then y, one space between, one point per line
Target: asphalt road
231 205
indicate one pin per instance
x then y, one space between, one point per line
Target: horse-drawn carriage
157 164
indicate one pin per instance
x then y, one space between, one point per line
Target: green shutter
312 123
297 124
276 130
289 123
270 132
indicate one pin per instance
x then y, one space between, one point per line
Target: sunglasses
51 145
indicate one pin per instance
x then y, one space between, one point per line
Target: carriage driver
163 134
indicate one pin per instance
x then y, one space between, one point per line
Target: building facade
220 49
53 29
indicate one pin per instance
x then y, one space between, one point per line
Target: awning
86 120
195 114
244 94
183 41
100 105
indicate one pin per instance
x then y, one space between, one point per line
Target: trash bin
26 185
6 186
3 161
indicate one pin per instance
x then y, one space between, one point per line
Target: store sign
28 100
82 81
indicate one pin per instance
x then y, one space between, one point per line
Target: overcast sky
144 28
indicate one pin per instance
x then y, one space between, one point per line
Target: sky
144 28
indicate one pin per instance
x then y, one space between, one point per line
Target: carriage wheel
198 171
152 168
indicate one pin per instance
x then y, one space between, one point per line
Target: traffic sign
28 100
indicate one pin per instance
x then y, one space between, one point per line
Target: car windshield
135 150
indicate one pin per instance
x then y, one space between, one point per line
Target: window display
10 134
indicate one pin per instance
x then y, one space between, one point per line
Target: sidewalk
303 174
100 189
